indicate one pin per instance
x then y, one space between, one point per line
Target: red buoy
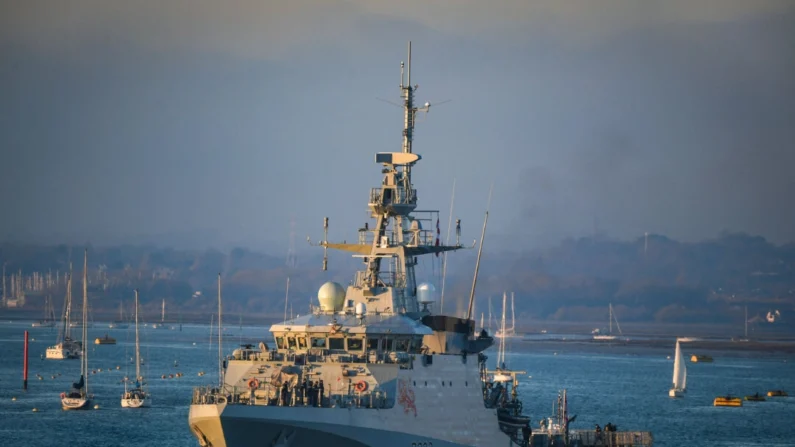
25 365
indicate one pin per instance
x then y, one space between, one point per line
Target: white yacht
680 374
137 396
78 398
65 347
597 335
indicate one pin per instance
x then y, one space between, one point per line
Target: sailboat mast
513 315
501 355
163 312
286 297
447 242
610 331
746 321
67 330
84 364
137 348
220 326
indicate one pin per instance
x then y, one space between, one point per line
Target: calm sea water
606 384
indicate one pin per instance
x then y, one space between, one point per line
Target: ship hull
61 353
75 403
236 429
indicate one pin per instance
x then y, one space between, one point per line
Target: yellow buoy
35 410
96 407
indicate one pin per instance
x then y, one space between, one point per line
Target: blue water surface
627 387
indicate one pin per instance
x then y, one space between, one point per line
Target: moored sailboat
65 347
680 374
136 397
121 323
509 332
49 315
609 336
162 324
78 398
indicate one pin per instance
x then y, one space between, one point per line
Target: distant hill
648 279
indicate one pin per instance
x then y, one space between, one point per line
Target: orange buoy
361 386
253 383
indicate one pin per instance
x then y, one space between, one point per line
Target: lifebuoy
253 383
361 386
63 395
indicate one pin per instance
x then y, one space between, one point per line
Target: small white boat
65 347
136 397
597 335
78 398
680 374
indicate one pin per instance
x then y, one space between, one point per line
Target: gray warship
371 365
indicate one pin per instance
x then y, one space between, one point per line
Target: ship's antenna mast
447 242
480 252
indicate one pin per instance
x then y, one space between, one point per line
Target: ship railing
266 394
591 438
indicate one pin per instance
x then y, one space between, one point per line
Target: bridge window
291 342
388 344
318 342
372 344
355 344
336 343
280 343
301 342
401 345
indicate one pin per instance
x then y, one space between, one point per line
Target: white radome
361 309
426 293
331 297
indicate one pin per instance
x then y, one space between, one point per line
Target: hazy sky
210 122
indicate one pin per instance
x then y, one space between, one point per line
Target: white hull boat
680 374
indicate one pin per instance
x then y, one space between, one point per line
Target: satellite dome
426 293
361 309
331 297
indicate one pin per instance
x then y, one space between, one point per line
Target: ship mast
390 248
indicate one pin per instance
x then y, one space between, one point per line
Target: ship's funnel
331 297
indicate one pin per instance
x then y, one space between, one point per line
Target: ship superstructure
371 364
